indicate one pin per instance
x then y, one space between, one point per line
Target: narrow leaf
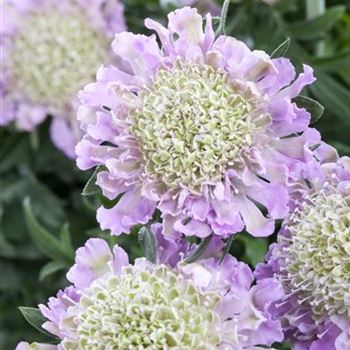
336 63
202 247
334 96
34 139
66 242
34 317
50 268
44 201
148 244
311 105
13 153
44 241
341 147
316 27
91 187
281 49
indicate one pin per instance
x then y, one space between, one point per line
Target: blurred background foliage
39 235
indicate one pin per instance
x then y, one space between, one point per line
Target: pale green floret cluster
192 125
54 55
318 258
151 309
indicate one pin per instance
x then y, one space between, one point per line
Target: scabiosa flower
312 261
50 50
205 305
204 129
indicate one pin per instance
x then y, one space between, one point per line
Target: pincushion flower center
317 260
54 55
191 125
153 309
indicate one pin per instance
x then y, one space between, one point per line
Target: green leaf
341 147
44 201
316 27
23 251
13 152
34 140
91 187
11 278
333 96
202 247
34 317
66 241
336 63
148 244
311 105
11 189
50 268
281 49
255 248
44 241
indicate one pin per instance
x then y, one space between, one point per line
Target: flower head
312 261
204 305
51 51
203 129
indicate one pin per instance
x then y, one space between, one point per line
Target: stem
221 28
315 8
227 248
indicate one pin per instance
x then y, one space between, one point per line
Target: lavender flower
312 262
204 305
50 50
201 128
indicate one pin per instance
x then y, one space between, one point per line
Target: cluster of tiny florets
316 259
191 126
54 55
146 309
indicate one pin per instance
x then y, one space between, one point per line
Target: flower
312 262
203 129
50 50
204 305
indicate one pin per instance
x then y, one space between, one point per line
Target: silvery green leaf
311 105
34 317
202 247
44 241
148 244
281 49
91 187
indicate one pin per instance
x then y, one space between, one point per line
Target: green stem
315 8
221 28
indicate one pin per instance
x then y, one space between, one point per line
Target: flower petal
63 136
132 209
187 23
91 261
256 223
141 53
